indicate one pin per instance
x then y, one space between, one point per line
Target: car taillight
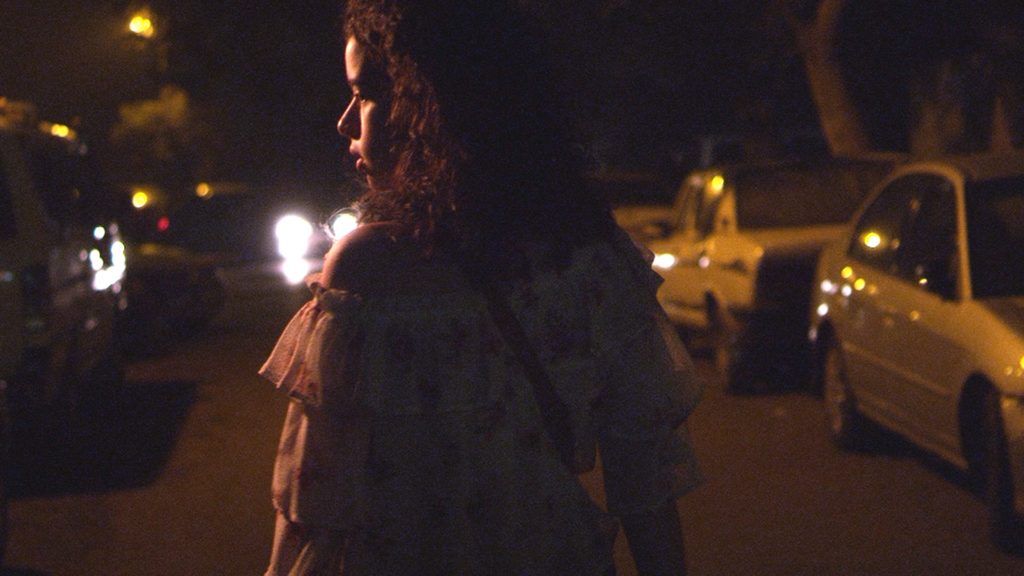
35 296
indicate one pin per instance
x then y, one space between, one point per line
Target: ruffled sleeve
320 466
650 386
314 352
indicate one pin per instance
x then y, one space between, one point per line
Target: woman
479 335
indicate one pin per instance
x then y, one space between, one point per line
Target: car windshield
995 225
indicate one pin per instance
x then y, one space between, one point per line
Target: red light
163 224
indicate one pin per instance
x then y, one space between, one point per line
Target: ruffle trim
308 357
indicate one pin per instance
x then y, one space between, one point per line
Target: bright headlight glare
118 254
293 233
96 259
342 223
664 261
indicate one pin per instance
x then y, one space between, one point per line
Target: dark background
648 80
266 79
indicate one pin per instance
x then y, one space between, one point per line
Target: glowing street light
141 25
140 199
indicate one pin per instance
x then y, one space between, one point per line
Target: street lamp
147 39
141 24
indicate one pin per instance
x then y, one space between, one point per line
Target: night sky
266 76
644 77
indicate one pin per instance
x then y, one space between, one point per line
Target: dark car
60 269
171 293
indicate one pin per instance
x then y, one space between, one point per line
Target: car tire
845 424
1004 524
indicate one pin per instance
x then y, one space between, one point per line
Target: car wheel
845 424
1004 524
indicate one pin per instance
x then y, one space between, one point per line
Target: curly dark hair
482 146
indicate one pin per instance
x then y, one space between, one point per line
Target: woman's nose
348 124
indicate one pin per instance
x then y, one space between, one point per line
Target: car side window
927 256
878 233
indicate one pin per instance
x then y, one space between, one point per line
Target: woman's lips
361 166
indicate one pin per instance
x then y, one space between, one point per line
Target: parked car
60 268
738 256
170 294
918 321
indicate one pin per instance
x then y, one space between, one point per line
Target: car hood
804 241
1010 310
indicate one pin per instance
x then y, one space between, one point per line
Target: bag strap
554 413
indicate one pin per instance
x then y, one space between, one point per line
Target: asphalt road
171 478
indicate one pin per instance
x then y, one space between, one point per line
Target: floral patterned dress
414 432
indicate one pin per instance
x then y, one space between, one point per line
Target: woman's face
364 121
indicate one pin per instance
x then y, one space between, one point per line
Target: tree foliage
161 140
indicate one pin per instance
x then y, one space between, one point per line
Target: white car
918 321
738 255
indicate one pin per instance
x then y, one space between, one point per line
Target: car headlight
342 222
293 234
664 261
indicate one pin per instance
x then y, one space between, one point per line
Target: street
172 477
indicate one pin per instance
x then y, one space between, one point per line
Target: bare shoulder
355 262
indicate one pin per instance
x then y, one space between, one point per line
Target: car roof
989 166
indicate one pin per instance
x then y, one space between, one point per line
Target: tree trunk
841 122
